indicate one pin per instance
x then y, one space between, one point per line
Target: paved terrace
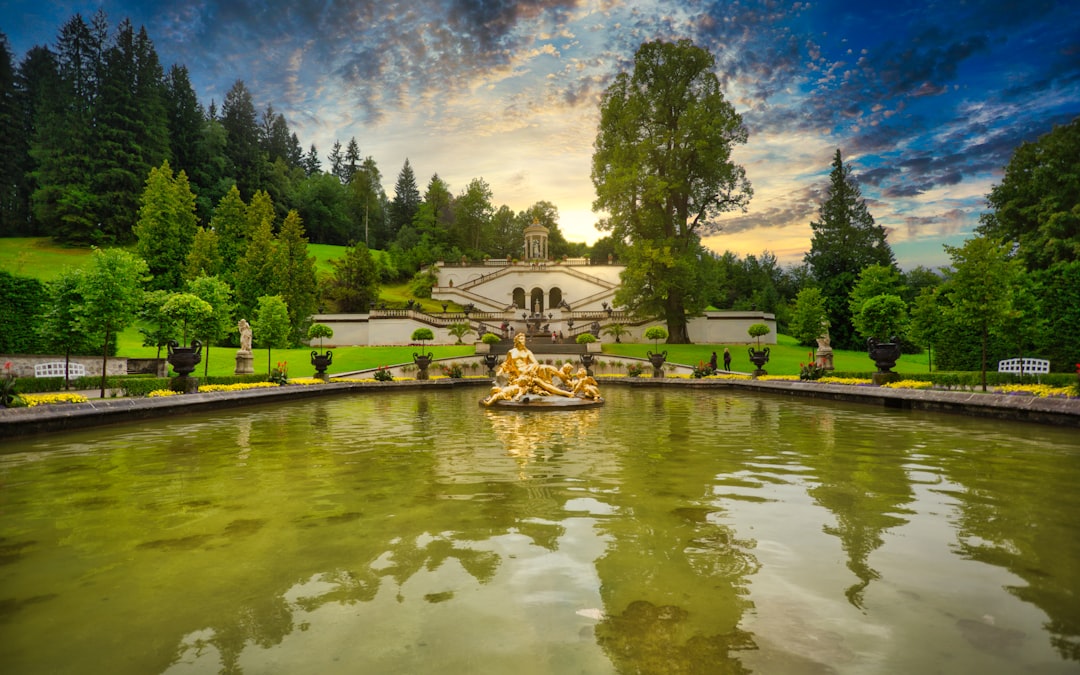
96 412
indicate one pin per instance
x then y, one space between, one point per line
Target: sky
927 101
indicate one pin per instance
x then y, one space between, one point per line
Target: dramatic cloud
926 101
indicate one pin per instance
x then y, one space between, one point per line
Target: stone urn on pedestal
188 311
321 361
657 359
759 357
422 360
881 320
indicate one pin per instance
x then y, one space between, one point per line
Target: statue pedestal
244 363
824 358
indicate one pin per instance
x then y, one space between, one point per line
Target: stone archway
555 297
536 301
519 299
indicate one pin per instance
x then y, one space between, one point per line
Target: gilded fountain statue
522 381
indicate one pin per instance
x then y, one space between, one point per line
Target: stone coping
96 412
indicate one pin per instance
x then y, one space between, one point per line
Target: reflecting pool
686 532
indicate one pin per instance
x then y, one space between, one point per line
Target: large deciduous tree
845 240
981 289
1037 204
111 290
662 169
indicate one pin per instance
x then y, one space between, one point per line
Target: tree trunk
676 320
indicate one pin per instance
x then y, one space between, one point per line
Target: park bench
1024 366
56 369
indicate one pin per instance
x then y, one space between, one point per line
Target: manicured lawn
39 257
785 357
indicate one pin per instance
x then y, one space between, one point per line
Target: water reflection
661 533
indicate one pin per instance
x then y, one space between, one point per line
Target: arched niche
519 299
536 300
554 297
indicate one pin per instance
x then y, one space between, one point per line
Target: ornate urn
321 362
491 360
422 362
184 359
883 354
587 361
657 360
759 357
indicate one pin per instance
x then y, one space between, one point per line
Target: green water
663 533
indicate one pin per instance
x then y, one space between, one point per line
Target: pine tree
406 201
311 162
13 149
231 225
38 74
132 130
337 161
204 258
186 119
296 270
257 273
166 227
241 126
845 240
352 161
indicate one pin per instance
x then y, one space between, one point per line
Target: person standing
727 359
712 362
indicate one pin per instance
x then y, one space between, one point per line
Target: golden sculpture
521 377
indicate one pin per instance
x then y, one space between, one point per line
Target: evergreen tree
256 272
845 240
241 126
204 258
167 226
231 226
337 162
355 284
406 200
13 149
63 200
351 163
37 77
311 162
132 130
367 202
186 118
296 270
322 202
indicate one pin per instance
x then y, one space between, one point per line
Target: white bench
1024 366
56 369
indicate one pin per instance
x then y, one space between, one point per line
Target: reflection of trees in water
865 485
674 577
1010 517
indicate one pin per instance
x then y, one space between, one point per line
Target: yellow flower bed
909 384
306 380
780 378
727 376
50 399
1040 390
239 386
160 393
844 380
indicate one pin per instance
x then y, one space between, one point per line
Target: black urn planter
321 362
587 361
491 360
884 355
657 361
422 362
184 359
759 357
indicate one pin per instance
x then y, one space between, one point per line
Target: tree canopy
662 169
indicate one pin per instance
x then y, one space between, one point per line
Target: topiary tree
883 317
656 333
757 330
585 338
187 311
319 331
490 339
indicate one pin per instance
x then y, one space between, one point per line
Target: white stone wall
23 364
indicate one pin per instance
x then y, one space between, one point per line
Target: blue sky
926 100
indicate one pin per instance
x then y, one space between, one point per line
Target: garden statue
824 353
245 335
522 380
244 358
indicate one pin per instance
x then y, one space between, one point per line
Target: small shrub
635 369
585 338
280 375
383 374
490 339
